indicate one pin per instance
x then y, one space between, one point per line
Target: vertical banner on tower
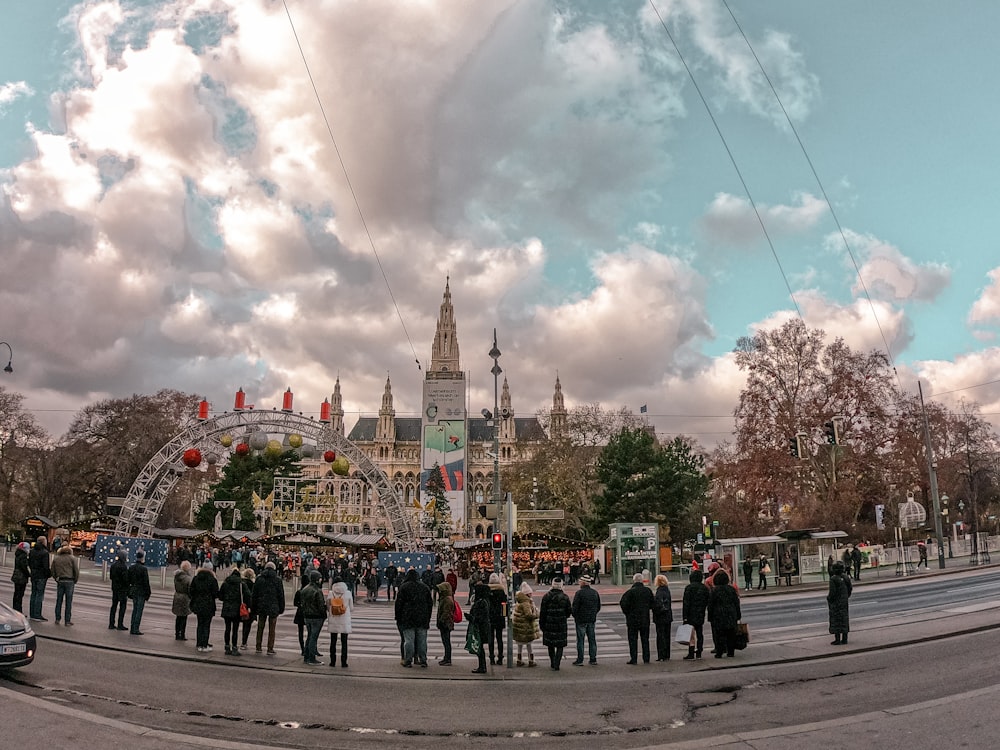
443 437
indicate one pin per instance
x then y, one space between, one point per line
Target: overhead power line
347 178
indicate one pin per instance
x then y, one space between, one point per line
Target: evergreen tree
645 482
441 513
241 477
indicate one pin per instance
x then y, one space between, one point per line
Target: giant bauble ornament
242 449
212 459
330 456
191 457
307 450
341 466
295 440
273 448
258 441
226 440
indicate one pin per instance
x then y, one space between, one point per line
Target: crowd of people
253 593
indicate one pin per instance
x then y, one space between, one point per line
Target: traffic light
832 431
497 540
797 446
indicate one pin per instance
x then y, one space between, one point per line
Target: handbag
685 634
742 635
473 642
767 569
458 613
244 609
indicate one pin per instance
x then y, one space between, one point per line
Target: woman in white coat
341 607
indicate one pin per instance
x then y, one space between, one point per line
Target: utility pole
932 469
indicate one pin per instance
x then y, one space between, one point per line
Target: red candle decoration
191 457
330 456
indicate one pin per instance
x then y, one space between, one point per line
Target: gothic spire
444 354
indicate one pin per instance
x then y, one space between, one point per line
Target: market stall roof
48 522
178 533
795 534
470 543
748 540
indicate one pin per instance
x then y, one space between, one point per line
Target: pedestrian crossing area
374 635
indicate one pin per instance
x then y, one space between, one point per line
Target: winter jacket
479 615
312 602
181 604
22 573
65 566
837 601
268 595
204 591
38 561
341 623
233 591
138 582
637 603
662 610
555 611
446 607
724 607
586 605
524 619
118 572
414 605
695 603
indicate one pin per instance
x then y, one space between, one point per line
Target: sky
175 211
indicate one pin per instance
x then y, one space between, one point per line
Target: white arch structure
159 476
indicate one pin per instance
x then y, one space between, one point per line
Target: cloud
887 273
730 219
986 309
12 90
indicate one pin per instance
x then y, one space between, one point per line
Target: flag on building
642 409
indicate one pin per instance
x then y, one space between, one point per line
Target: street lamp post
944 501
10 359
495 356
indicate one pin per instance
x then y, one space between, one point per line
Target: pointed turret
444 353
558 416
337 409
386 430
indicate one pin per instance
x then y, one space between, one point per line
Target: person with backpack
498 616
480 624
446 619
341 608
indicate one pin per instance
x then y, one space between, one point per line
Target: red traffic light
497 540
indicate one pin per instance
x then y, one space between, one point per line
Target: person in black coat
663 616
118 572
480 622
138 590
413 610
38 566
637 603
268 601
21 575
233 592
498 616
837 602
586 605
724 614
694 607
552 618
204 592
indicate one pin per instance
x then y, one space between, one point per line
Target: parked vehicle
17 639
